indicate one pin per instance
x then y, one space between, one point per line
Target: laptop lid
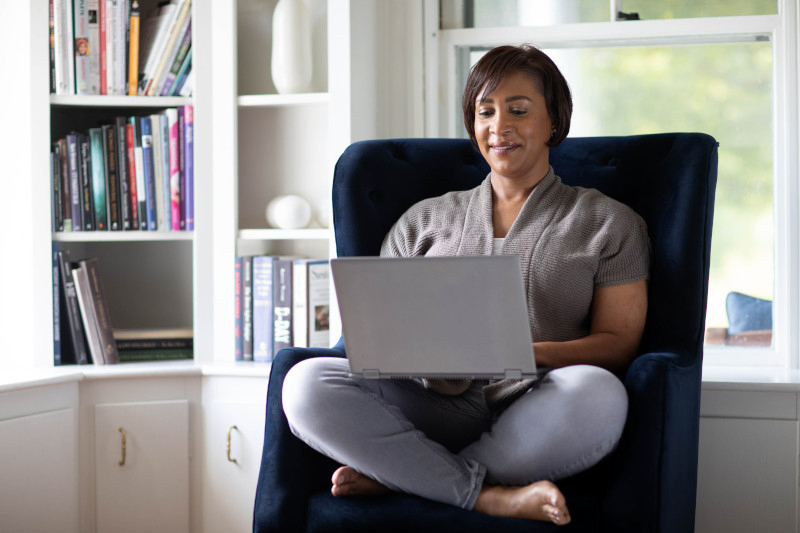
435 317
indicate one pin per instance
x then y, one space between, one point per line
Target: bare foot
347 482
539 501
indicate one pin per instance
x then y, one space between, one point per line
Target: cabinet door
142 466
39 472
229 484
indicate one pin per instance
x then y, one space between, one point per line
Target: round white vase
291 47
288 212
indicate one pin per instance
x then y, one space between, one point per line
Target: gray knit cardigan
570 240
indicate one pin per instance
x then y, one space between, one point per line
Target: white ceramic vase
288 212
291 47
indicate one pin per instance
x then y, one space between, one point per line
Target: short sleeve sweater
571 241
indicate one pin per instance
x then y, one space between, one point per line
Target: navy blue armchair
649 482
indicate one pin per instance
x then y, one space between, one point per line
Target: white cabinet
233 417
39 472
142 466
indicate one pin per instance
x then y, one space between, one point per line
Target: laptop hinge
371 374
513 374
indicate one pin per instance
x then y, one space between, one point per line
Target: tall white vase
291 47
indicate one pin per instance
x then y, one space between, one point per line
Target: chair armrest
655 464
290 470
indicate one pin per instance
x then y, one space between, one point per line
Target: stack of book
106 47
82 330
138 345
280 302
135 174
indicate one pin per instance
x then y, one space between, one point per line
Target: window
674 69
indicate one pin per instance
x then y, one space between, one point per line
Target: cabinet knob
230 430
124 447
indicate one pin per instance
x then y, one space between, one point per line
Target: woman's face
512 126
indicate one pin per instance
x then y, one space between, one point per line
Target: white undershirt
497 245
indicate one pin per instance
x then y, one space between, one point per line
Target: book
282 304
311 303
66 199
94 46
183 73
122 173
186 84
163 139
82 50
133 180
247 308
52 50
73 345
120 46
112 179
63 46
174 170
87 197
237 308
155 126
182 167
177 62
105 330
263 308
56 305
141 186
102 24
81 280
57 197
156 354
188 165
74 182
99 179
149 176
153 339
164 52
133 48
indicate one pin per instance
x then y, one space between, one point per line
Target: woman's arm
618 316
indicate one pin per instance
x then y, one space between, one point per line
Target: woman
497 447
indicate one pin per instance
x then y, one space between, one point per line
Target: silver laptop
437 317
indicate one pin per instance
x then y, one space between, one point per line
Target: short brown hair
490 70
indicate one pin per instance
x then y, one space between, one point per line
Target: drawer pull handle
124 447
230 430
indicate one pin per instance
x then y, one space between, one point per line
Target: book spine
81 22
177 63
66 199
171 354
319 304
165 172
154 344
60 46
141 187
110 47
56 307
237 308
52 49
74 182
133 49
99 179
262 309
174 170
186 67
87 199
105 331
88 319
155 127
247 308
182 166
169 43
120 47
102 30
55 170
112 179
175 49
163 20
282 304
300 303
122 173
73 328
94 47
132 179
150 181
188 158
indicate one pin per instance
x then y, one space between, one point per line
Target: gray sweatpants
445 448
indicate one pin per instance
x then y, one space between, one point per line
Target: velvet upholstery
649 482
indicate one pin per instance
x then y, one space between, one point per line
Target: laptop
434 317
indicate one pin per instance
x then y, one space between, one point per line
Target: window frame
441 49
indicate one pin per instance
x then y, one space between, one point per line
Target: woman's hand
618 317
